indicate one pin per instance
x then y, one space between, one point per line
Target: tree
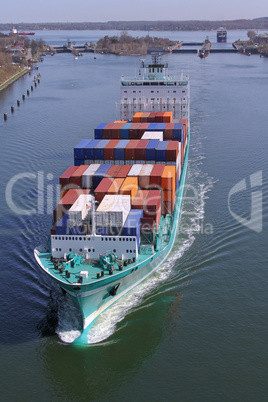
26 43
34 47
251 35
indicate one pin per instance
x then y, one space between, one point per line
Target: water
196 330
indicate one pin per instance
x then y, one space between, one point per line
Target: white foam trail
69 319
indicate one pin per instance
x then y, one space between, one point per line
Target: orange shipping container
168 178
129 187
168 117
137 117
115 186
168 195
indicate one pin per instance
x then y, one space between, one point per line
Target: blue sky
115 10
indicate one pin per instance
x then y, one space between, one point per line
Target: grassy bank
13 78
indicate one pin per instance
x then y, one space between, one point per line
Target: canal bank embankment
14 78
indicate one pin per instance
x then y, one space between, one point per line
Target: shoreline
14 78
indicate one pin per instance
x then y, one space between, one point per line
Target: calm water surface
197 329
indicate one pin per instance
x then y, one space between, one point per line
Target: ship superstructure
154 90
221 35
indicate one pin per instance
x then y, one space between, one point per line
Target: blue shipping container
152 127
99 149
98 132
150 150
62 225
100 174
124 130
78 162
160 126
160 151
79 149
119 151
89 149
132 224
178 132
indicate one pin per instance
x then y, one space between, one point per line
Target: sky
15 11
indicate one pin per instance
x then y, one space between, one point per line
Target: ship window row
153 83
71 238
103 238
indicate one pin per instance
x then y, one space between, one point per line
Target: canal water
195 330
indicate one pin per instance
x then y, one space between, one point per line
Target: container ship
120 201
14 31
221 35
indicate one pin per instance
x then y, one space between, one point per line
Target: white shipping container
135 170
153 135
87 175
80 209
144 176
114 209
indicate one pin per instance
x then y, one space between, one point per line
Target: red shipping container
133 131
139 200
123 172
102 188
144 117
155 177
155 217
172 151
151 118
168 131
184 122
130 149
140 150
153 203
76 177
109 149
168 207
159 117
147 224
113 171
107 131
141 130
115 130
65 177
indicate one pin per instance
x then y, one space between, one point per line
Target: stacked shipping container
108 167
